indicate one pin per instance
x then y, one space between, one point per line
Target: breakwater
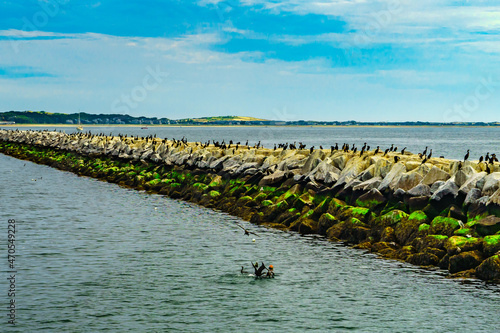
438 213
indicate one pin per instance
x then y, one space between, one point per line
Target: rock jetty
432 212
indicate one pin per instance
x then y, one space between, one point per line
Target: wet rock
326 221
435 174
489 269
423 259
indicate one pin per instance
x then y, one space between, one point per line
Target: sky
380 60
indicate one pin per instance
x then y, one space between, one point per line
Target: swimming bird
246 231
466 155
243 270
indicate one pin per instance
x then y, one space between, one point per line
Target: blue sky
385 60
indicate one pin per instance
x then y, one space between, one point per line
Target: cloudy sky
380 60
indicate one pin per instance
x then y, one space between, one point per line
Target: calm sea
92 257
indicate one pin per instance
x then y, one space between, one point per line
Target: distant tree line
42 117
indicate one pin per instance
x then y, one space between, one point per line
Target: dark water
450 142
93 256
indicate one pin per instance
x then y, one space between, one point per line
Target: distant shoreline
218 125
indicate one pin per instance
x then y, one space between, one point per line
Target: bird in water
466 155
243 270
246 231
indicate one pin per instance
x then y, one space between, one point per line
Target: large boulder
273 179
409 180
420 190
491 183
471 182
445 195
434 175
491 245
488 225
464 261
371 199
489 269
392 178
441 225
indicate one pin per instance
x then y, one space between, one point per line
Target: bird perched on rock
403 151
466 155
480 159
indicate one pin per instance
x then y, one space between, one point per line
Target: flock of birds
425 156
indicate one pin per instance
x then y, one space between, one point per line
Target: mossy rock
198 186
465 232
334 231
322 207
360 213
457 244
388 235
335 206
440 253
391 219
244 201
491 245
435 241
260 197
442 225
408 229
465 261
214 194
489 269
308 226
292 192
300 203
423 230
423 259
266 203
326 221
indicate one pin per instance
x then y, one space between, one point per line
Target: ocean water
92 256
